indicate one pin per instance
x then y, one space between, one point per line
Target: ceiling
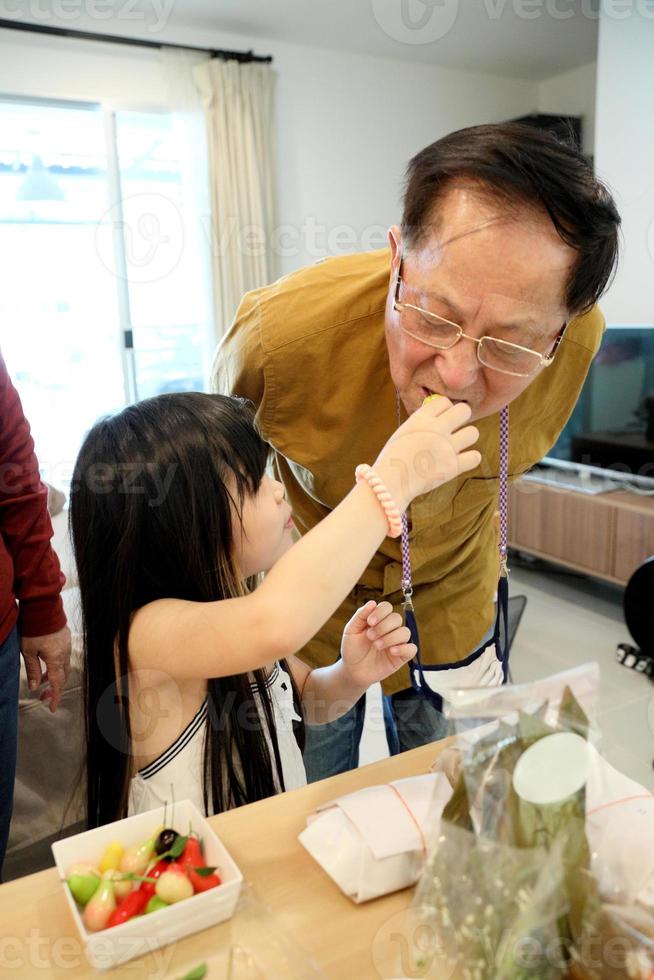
531 39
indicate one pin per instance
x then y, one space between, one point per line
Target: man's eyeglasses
494 353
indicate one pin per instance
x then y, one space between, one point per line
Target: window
102 299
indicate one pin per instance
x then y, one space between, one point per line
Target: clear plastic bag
253 945
528 781
512 840
506 789
487 911
615 941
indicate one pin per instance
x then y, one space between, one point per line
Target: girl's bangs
250 460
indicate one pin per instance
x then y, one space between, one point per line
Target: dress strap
180 742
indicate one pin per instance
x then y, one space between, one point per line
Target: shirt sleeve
240 366
25 523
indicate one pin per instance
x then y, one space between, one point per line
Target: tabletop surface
292 920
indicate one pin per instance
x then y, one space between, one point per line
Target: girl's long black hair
150 518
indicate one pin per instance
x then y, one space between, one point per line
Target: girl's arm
327 692
307 585
299 594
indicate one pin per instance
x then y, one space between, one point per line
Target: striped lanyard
407 581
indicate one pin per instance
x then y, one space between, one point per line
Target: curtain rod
242 56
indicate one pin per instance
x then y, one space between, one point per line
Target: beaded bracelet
390 508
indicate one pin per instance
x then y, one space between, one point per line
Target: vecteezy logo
152 231
415 21
408 947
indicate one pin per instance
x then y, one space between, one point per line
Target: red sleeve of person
30 576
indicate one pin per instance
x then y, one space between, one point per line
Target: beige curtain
238 105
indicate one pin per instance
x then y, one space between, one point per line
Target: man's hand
54 651
375 643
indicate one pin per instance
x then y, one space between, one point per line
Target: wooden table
293 918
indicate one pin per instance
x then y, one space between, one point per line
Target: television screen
609 425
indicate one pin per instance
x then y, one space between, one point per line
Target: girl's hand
375 644
429 449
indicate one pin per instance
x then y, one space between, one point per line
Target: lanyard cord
407 581
504 488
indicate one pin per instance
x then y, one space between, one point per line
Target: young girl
191 685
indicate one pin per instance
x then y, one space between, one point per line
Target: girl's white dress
177 772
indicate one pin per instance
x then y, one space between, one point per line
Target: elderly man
487 295
32 619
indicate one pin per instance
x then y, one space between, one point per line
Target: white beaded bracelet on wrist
390 508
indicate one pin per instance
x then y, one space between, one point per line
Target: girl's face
266 529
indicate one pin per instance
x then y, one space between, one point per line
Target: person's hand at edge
52 650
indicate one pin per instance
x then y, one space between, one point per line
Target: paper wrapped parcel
373 842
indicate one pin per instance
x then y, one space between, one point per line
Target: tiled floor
570 620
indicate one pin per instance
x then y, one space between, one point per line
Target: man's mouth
426 392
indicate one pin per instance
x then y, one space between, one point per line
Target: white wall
624 156
572 93
38 65
347 124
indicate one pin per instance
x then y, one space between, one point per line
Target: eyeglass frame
545 359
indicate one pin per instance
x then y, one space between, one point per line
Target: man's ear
395 243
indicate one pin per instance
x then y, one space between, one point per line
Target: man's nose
459 366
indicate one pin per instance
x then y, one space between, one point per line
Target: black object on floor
639 616
639 607
630 656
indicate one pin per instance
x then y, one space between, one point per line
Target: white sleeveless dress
178 772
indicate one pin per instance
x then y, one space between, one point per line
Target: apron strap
503 613
417 670
415 665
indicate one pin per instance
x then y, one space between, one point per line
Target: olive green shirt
310 352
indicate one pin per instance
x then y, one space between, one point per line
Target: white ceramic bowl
141 935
